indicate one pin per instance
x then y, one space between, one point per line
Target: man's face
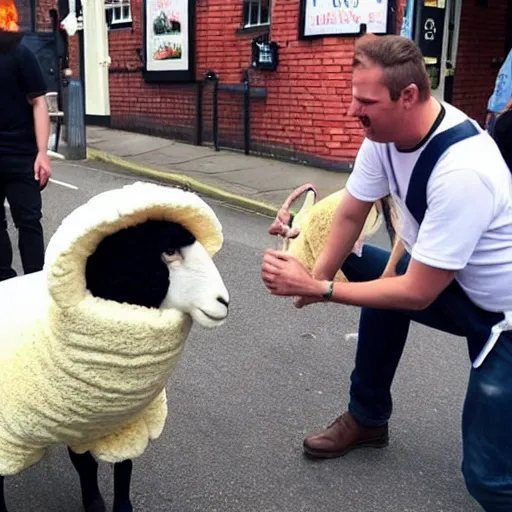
380 117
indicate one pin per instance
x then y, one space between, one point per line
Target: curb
183 181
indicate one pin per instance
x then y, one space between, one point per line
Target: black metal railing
224 112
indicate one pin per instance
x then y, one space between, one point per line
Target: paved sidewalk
256 183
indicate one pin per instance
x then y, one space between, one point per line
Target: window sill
114 27
255 30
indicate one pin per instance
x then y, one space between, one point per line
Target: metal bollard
75 122
247 112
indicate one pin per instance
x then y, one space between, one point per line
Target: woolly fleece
315 224
79 370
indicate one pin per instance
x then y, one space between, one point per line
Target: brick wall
309 93
43 21
482 38
166 109
304 112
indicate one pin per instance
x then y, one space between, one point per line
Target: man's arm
446 240
33 84
366 184
41 122
42 165
346 227
508 106
415 290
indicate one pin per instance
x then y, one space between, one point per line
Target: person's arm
367 183
415 290
488 118
34 86
41 122
346 227
447 238
502 87
508 106
42 165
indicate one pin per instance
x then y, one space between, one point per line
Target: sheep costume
80 370
305 232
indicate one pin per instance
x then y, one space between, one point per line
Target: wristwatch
328 294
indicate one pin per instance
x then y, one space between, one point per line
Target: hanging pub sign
320 18
169 41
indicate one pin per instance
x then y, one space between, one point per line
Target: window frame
123 21
247 7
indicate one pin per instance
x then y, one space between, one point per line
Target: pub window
119 12
256 12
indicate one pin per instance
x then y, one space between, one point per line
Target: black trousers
20 188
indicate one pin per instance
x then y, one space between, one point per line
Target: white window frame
118 7
250 22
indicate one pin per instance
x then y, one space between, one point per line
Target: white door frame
449 54
96 59
450 42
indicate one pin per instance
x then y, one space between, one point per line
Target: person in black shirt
24 164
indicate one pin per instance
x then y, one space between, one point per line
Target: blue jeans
487 415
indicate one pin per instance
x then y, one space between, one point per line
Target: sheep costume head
89 343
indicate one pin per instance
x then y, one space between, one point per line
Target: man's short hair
400 59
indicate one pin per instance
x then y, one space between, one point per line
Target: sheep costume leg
305 233
89 343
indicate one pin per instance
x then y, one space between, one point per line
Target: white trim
121 5
457 6
456 32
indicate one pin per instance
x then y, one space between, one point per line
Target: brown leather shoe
344 435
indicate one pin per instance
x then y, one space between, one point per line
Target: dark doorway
508 34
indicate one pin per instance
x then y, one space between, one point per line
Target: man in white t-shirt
455 232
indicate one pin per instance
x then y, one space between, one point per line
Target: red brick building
300 112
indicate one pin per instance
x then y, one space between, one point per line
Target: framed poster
169 45
321 18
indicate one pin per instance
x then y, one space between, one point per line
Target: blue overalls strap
416 199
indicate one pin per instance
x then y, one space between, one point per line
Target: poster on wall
168 40
321 18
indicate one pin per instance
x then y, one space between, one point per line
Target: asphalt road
246 394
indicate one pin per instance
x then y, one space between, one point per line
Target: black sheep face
158 264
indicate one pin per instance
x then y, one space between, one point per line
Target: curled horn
283 221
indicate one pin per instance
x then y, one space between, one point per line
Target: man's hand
487 120
42 169
285 275
300 302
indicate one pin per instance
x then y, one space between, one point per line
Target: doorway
508 33
96 62
437 34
